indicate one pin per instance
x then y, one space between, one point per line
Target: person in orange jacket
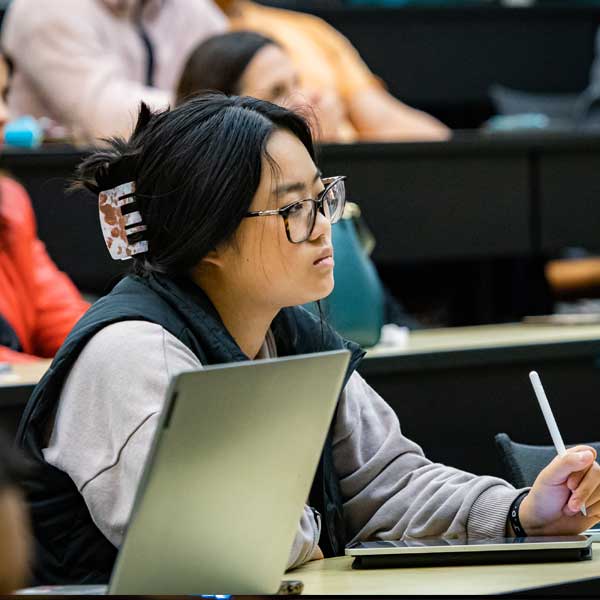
334 77
38 304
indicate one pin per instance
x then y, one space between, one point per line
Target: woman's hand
553 506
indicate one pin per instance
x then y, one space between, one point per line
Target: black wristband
513 515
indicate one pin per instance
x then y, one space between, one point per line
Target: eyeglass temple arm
327 181
260 213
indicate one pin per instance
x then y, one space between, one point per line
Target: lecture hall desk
335 576
484 211
492 196
453 389
443 57
15 388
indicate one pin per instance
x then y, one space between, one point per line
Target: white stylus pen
550 420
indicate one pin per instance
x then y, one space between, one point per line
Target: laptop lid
230 470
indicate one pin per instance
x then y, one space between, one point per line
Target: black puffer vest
69 547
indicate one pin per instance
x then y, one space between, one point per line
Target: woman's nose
313 97
322 226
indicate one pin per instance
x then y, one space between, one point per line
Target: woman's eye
277 92
296 208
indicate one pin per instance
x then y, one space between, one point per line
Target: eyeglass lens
302 217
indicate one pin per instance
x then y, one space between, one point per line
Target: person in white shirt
88 64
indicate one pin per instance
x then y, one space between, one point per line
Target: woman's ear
207 265
215 257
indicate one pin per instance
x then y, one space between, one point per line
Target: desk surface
487 336
335 576
425 341
24 374
499 198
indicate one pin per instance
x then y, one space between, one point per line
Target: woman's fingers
592 501
593 511
588 490
562 467
581 448
575 479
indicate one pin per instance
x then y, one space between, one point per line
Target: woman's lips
326 261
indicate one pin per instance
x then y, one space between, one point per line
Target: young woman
38 304
87 64
246 63
230 230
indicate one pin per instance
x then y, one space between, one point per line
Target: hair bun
115 164
106 169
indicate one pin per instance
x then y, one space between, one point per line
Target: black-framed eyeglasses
300 217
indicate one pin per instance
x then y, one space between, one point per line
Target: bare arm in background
379 116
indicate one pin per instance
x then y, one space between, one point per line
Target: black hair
219 62
196 170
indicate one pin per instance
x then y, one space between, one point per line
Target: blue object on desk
23 132
418 3
524 121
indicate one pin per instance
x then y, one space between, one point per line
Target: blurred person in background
15 534
330 67
38 304
87 64
246 63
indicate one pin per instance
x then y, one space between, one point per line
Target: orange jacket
39 302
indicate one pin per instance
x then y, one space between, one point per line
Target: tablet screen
380 546
487 541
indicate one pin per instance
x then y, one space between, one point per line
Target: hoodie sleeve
391 490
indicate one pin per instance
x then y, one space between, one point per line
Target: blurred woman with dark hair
246 63
38 304
328 63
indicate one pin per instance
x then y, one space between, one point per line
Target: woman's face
269 270
270 75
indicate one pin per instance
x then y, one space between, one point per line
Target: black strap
513 515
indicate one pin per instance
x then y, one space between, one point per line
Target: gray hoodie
108 411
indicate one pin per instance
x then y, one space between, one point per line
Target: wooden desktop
336 576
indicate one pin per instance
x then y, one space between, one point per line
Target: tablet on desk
593 533
462 551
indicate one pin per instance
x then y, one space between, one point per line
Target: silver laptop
228 475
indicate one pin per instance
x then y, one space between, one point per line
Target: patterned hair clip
116 226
